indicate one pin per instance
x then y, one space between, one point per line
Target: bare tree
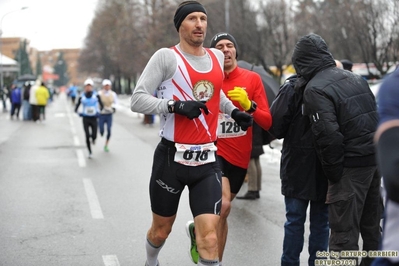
123 36
307 15
125 33
380 34
94 57
277 36
362 30
241 23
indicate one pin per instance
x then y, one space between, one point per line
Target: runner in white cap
109 100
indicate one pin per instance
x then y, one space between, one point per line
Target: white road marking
110 260
94 204
76 140
95 208
81 158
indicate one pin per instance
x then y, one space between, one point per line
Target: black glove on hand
191 109
244 120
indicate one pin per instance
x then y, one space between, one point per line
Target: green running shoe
106 149
193 244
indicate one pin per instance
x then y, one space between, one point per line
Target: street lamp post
1 54
227 14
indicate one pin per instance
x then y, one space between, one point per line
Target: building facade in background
10 46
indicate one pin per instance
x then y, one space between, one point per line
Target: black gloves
244 120
191 109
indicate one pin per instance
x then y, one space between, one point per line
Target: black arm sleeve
78 104
388 161
100 102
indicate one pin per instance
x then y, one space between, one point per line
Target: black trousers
354 209
15 107
35 112
90 128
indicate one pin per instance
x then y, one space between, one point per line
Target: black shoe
250 195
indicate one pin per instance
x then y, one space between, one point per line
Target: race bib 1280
228 128
194 155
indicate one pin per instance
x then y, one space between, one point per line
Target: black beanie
184 9
224 36
347 64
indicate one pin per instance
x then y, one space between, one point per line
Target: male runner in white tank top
187 81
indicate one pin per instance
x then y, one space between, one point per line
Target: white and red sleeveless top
189 84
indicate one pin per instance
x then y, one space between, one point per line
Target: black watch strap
171 106
253 107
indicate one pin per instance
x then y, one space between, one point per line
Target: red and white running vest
188 84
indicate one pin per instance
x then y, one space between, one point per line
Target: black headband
185 9
224 36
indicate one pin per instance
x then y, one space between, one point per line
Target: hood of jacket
310 56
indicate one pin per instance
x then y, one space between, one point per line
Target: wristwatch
253 107
171 106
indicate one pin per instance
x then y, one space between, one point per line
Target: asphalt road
57 207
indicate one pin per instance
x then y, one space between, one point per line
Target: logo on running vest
203 90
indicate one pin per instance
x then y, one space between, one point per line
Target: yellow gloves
240 95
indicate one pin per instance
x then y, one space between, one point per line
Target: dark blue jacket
16 96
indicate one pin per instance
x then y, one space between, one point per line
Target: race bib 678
194 155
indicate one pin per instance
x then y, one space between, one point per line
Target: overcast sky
48 24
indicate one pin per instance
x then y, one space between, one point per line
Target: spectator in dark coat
26 107
343 118
303 182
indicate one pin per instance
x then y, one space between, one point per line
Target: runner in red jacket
245 89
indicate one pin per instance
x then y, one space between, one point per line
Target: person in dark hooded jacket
343 117
303 182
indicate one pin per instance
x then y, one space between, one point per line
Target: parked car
375 87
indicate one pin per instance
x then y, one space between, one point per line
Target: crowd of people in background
27 100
